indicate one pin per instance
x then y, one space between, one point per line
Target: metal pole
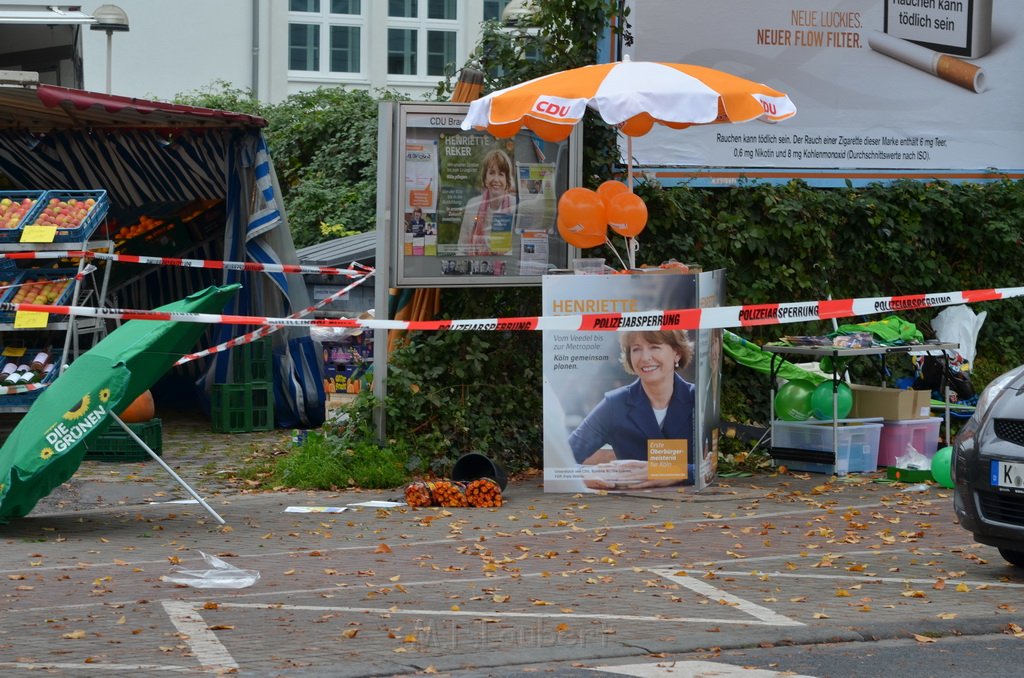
167 468
110 50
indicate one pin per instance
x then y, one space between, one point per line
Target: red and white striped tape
357 269
677 319
270 329
21 388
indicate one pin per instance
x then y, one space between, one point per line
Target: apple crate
15 208
30 276
84 222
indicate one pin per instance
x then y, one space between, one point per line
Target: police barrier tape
678 319
80 275
358 269
231 343
270 329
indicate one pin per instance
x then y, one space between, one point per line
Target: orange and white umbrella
632 95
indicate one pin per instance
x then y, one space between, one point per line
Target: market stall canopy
45 108
145 153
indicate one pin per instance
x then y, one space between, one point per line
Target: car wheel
1013 557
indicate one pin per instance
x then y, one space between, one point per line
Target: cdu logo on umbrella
563 109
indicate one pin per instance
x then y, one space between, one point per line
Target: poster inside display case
469 209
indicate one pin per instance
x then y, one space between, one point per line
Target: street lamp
109 18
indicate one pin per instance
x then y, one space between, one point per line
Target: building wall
178 46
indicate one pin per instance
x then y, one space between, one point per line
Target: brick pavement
548 577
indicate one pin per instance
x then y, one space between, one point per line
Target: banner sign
888 86
469 209
621 410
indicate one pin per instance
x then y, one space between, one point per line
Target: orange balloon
610 189
637 126
627 214
582 218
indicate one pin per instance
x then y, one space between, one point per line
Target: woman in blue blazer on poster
658 405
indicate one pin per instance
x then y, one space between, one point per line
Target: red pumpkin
142 409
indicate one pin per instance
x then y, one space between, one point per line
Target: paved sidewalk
591 579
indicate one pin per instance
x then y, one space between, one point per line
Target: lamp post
109 18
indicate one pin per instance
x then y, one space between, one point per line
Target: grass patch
321 462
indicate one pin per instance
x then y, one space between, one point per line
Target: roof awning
45 14
44 108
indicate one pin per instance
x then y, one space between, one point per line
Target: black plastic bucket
473 466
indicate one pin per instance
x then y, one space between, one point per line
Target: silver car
988 468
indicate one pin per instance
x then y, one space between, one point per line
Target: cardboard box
890 403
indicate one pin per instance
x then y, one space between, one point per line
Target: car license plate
1007 474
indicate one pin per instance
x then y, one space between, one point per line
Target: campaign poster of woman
478 198
620 408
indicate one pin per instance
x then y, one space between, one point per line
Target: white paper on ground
314 509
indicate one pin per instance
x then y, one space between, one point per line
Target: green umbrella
751 355
47 446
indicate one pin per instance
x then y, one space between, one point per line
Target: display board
634 409
883 88
468 209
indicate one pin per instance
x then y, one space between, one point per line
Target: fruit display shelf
37 286
74 214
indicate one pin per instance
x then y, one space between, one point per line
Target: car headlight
994 389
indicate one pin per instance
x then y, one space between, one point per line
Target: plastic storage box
115 444
807 446
923 434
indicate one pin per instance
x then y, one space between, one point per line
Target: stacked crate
116 445
248 403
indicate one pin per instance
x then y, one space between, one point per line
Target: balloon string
607 241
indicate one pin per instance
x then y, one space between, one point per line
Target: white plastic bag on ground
912 459
221 575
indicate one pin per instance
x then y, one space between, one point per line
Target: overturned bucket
473 466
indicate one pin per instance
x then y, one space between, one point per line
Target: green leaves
796 243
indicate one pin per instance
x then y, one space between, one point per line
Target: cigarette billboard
883 88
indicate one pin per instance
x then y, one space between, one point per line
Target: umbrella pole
167 468
630 253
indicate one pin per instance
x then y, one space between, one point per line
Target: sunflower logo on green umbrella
46 453
80 408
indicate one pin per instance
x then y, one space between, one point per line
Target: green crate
252 362
115 444
241 408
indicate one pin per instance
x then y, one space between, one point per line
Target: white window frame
324 19
421 24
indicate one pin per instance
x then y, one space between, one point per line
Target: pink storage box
923 434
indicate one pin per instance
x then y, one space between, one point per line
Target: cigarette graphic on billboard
949 68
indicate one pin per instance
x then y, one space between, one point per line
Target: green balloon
793 401
821 401
940 467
